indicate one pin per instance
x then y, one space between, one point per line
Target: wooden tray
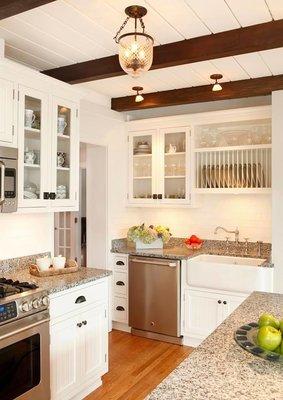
71 266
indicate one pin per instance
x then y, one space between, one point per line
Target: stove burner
8 287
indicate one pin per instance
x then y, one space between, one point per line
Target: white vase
157 244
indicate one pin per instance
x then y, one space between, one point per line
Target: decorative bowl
246 335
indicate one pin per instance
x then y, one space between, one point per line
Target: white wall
26 234
277 189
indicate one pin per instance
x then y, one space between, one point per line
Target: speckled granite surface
17 269
221 370
176 249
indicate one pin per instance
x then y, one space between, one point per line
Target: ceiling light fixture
216 86
138 97
135 48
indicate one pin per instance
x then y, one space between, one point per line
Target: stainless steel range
24 341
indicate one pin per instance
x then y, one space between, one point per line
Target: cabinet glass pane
63 152
32 147
175 165
142 167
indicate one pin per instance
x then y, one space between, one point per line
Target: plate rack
235 168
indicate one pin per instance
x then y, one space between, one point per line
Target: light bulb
139 98
216 87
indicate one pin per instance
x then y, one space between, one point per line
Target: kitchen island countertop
221 370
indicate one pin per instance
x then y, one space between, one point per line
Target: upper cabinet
7 115
159 166
45 129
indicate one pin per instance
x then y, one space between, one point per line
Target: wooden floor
136 366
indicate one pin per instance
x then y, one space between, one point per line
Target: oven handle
2 189
27 325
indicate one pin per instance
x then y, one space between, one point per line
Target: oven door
24 359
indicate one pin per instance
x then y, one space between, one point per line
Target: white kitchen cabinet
8 134
204 310
78 340
160 166
120 292
45 128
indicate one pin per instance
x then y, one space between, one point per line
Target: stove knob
35 303
24 307
45 300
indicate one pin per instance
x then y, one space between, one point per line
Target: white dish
43 263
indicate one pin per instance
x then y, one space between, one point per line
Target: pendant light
135 48
138 97
216 86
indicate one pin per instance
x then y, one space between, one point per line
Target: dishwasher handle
157 262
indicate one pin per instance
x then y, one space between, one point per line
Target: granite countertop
221 370
57 283
177 250
17 269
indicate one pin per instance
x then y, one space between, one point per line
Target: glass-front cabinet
159 166
48 151
33 128
65 153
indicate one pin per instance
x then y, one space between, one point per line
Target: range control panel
8 311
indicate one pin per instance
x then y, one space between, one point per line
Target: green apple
268 320
269 338
281 325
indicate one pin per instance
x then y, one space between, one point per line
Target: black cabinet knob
120 283
219 301
46 195
159 196
84 322
120 308
154 196
224 302
79 324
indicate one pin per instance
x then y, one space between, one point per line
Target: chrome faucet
236 232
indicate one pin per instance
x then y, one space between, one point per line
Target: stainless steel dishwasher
154 298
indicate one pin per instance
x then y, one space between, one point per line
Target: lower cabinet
204 310
78 351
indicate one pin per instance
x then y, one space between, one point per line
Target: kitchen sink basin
229 260
228 273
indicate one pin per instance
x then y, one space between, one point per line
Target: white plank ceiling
69 31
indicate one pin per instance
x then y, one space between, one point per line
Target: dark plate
246 336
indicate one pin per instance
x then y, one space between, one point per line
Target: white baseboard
191 341
120 326
87 390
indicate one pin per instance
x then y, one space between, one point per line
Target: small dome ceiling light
138 97
216 86
135 48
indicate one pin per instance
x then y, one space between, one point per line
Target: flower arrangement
148 235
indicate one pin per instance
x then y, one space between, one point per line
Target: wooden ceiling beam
199 94
8 8
253 38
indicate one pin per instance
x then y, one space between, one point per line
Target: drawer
120 309
121 263
120 284
75 299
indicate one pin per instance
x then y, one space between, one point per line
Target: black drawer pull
120 283
79 324
224 302
80 299
120 308
84 322
219 301
120 263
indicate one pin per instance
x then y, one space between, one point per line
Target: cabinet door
203 313
6 111
230 303
175 168
95 341
142 166
34 148
64 358
65 154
